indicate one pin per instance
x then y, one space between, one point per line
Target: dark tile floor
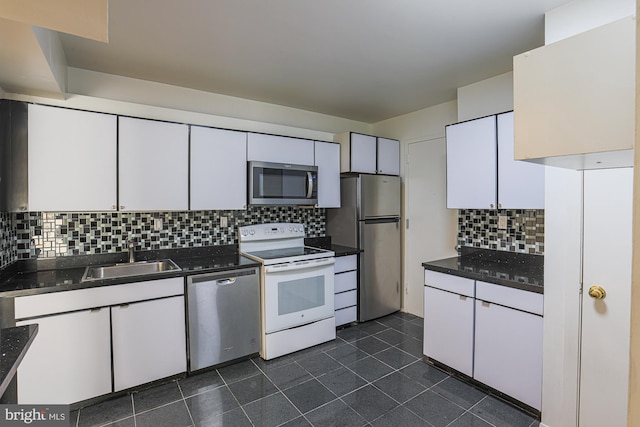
371 375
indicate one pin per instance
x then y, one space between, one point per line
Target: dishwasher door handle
225 282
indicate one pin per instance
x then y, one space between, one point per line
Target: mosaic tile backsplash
524 233
54 234
8 250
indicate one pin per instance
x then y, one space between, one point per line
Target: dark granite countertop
32 277
14 343
515 270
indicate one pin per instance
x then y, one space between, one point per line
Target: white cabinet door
520 184
279 149
554 88
327 159
71 160
148 341
448 329
388 156
607 262
218 169
472 164
362 153
69 360
153 165
508 351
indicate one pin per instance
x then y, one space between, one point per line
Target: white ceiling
365 60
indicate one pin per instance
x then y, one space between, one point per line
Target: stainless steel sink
115 271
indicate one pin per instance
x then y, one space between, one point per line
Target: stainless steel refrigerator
369 219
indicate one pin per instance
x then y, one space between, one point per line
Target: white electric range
297 287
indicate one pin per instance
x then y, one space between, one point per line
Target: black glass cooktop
287 252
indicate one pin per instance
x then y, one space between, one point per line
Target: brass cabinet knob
597 292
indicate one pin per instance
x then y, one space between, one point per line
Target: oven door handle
298 265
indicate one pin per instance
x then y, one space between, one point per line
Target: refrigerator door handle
380 220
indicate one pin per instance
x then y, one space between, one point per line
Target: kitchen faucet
130 244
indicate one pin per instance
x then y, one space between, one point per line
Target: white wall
438 225
579 16
490 96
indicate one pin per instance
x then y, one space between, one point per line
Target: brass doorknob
597 292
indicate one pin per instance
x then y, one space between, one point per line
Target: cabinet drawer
531 302
346 281
102 296
447 282
346 263
346 315
346 299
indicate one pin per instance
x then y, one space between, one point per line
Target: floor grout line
334 362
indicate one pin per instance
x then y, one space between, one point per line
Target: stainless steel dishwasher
223 316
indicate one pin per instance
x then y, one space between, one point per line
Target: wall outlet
223 221
157 224
502 222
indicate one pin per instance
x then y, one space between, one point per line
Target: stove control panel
279 230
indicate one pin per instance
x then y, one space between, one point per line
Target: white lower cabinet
448 329
489 332
148 341
69 360
137 328
346 285
508 351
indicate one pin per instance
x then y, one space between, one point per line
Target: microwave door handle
309 184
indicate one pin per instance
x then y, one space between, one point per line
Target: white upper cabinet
388 156
154 165
280 149
481 170
359 154
368 154
575 99
327 159
218 169
472 164
520 184
71 160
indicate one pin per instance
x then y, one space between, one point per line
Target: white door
607 243
362 153
431 228
218 169
472 164
448 329
69 360
508 351
297 294
327 159
279 149
153 161
72 160
149 341
388 156
520 183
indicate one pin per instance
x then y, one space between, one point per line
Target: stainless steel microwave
282 184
